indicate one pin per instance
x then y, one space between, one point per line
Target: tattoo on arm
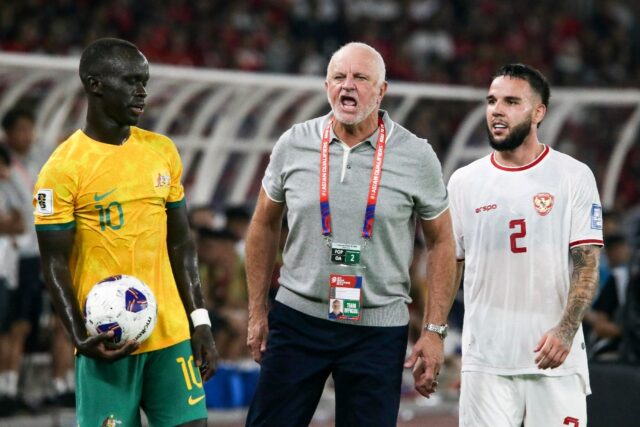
584 281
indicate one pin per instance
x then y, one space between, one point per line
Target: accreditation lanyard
374 182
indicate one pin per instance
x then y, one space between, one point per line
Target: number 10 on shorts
191 377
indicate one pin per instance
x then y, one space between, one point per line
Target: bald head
377 62
106 56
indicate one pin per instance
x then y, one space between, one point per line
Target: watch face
438 329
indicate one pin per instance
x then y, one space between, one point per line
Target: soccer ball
122 304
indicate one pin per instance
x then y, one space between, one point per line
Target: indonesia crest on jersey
543 202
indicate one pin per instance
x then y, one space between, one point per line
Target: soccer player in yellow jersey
109 201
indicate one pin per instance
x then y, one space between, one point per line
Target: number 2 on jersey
521 227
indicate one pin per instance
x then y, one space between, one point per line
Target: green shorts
165 383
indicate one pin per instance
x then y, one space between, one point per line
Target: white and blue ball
122 304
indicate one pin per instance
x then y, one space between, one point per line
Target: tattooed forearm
584 280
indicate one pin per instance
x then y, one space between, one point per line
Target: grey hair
379 62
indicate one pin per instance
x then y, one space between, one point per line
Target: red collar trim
538 159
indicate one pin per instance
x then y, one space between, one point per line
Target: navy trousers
302 351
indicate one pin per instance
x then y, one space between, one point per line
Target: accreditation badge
345 254
345 297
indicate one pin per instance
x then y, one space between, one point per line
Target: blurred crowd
574 42
577 43
27 323
612 326
593 43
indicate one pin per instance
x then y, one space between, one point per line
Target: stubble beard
360 116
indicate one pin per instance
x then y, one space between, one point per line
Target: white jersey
514 228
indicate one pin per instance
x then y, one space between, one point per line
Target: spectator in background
222 275
436 41
202 217
238 217
604 318
611 225
224 288
630 340
26 307
11 225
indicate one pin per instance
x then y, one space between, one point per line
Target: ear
94 85
538 113
383 91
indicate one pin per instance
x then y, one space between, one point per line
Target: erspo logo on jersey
486 208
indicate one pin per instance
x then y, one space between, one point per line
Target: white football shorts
489 400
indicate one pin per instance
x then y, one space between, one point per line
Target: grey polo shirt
411 186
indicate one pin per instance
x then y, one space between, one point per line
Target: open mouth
348 103
498 127
137 109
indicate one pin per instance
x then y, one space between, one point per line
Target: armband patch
596 217
44 199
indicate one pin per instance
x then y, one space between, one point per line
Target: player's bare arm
554 346
441 269
55 249
262 243
184 264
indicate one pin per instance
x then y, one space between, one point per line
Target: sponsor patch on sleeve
596 217
44 199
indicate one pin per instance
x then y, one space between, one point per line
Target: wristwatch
438 329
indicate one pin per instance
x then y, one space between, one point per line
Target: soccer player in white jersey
528 227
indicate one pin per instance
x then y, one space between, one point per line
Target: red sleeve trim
586 242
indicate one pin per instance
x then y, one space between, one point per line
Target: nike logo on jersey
193 401
97 197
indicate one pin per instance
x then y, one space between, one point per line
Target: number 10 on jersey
105 216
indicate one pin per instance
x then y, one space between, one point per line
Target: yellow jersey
116 196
